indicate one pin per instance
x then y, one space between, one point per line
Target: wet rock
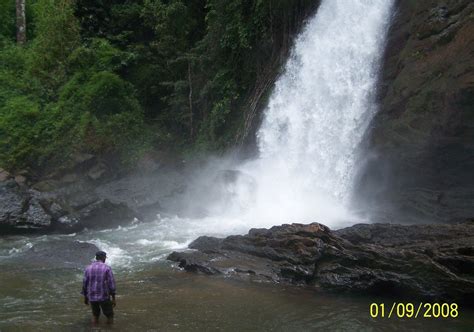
424 262
206 244
147 194
23 210
36 216
81 158
78 196
104 213
20 179
12 203
97 171
87 192
59 254
56 210
149 163
70 178
46 185
4 175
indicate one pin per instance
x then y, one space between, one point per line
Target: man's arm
111 285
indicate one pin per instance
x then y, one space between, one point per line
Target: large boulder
426 262
12 203
21 210
104 213
24 210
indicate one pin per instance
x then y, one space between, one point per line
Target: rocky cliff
422 139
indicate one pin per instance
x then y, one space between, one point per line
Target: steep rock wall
421 164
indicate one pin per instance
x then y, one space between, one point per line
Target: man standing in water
98 286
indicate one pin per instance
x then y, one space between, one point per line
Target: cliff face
422 139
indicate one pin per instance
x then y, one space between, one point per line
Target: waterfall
318 113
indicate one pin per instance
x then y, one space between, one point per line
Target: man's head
100 256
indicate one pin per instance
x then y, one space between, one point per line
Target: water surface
153 295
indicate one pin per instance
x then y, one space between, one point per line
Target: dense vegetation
122 77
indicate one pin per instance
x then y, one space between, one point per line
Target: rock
146 194
421 140
149 163
56 210
69 178
81 158
80 198
97 171
59 254
46 185
21 210
26 211
4 175
206 244
58 206
423 262
104 213
36 216
13 203
20 179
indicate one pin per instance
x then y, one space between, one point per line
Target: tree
20 22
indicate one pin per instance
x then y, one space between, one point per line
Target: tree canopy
125 76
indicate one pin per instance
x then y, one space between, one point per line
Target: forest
120 78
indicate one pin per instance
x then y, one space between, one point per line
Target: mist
309 140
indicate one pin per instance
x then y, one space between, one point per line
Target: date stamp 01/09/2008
414 310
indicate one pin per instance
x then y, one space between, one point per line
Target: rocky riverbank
423 262
80 196
87 194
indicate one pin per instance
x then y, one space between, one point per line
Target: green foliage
30 136
59 95
102 94
57 35
108 113
7 21
14 80
98 55
120 77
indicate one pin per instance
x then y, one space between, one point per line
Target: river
154 295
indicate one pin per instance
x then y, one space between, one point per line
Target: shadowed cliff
422 138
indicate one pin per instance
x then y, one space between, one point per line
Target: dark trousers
105 306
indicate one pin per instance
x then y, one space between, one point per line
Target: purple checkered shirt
99 282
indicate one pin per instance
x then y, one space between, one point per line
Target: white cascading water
317 115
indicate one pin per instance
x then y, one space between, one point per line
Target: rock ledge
423 262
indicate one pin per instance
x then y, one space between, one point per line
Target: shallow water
164 299
155 295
